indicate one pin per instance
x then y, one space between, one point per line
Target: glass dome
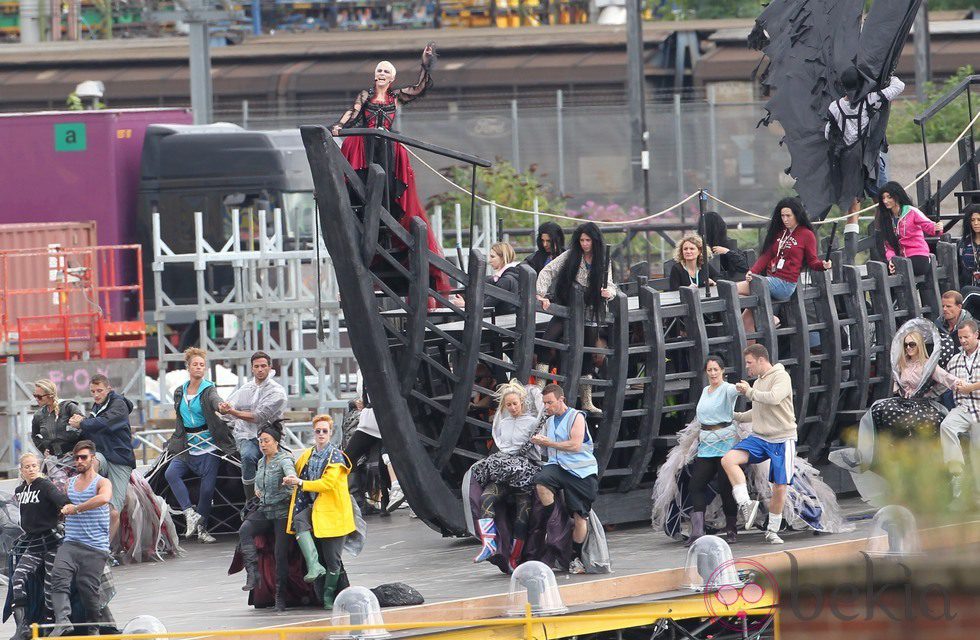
893 533
710 565
144 624
357 605
534 582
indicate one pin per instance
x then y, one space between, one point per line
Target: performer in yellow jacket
321 503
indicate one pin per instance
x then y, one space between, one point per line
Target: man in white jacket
773 438
259 402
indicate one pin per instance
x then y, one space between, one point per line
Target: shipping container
22 269
44 234
75 166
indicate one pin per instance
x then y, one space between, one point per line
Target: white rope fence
554 215
681 203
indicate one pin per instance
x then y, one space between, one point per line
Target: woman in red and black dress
376 108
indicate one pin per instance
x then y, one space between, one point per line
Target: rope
731 206
547 214
911 184
696 193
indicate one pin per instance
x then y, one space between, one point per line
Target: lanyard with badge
779 261
970 367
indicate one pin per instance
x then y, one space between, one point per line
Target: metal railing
966 173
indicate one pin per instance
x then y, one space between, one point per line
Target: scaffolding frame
17 404
274 299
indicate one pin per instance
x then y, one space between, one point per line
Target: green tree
944 127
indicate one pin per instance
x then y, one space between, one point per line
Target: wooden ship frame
420 368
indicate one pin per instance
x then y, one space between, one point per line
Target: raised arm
405 95
928 226
352 115
893 90
782 388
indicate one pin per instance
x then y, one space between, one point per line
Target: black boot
23 631
731 529
251 558
280 605
697 527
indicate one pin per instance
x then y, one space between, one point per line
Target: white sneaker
576 567
749 511
773 538
204 537
956 483
192 518
395 493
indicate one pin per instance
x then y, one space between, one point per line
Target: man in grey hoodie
773 438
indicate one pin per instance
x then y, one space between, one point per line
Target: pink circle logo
752 600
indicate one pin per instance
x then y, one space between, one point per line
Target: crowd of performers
82 507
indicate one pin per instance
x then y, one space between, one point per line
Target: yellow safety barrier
527 627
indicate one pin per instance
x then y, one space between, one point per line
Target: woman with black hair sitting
968 253
714 230
583 263
790 244
550 243
903 228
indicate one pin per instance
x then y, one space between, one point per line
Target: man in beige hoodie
773 438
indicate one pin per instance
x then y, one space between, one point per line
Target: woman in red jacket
789 245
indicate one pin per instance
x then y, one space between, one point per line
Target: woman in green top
271 514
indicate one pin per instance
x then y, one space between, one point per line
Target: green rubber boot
307 545
329 589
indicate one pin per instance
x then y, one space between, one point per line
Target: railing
966 174
834 339
654 615
39 285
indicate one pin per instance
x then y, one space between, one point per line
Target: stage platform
195 592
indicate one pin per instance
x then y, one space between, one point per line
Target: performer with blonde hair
509 472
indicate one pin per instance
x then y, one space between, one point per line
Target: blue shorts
780 456
779 289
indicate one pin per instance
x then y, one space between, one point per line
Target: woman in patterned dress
510 471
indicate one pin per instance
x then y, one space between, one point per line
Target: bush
944 127
504 184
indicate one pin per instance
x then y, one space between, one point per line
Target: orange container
35 272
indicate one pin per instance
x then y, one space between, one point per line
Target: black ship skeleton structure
420 368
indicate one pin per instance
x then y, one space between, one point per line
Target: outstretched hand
429 50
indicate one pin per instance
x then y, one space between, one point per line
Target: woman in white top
585 263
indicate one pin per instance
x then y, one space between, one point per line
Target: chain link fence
584 151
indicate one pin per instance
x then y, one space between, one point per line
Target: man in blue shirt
571 467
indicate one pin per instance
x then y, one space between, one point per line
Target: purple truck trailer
74 166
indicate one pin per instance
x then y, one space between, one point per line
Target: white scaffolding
274 308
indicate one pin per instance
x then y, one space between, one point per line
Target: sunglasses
321 431
82 457
909 345
41 396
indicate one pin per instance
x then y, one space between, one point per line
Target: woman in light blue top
716 415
